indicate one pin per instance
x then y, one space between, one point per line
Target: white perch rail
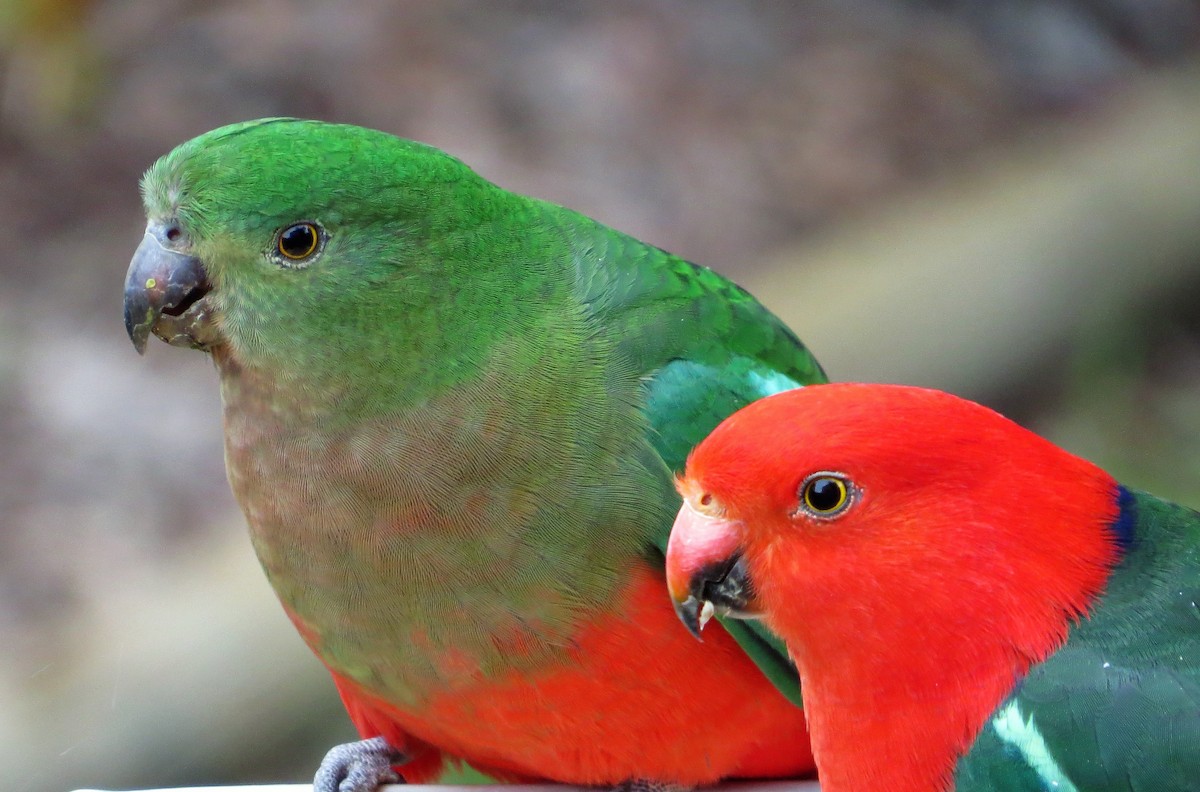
748 786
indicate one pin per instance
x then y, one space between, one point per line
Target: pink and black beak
164 291
706 573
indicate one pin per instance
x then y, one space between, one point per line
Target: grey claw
362 766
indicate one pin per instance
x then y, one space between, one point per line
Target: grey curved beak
160 281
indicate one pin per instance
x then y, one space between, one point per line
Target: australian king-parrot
451 417
970 607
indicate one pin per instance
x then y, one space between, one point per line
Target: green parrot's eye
825 494
298 242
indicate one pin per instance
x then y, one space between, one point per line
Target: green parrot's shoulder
660 308
703 346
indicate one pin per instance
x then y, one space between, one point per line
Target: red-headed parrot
969 606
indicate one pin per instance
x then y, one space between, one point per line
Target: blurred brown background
1000 197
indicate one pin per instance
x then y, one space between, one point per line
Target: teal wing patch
687 400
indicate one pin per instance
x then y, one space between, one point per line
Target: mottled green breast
418 548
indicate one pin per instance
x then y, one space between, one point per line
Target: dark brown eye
824 494
298 242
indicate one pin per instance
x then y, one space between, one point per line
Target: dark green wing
705 348
1118 707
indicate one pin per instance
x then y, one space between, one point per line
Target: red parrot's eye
825 494
298 242
706 499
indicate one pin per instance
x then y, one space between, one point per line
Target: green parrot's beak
164 291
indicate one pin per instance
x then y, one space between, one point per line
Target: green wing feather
706 348
1118 706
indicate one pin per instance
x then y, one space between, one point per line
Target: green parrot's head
283 237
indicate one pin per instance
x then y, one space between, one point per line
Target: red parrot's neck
906 734
893 701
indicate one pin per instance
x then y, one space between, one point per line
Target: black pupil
824 494
298 241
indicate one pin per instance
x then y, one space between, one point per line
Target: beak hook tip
138 333
689 612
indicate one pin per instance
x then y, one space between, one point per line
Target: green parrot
451 417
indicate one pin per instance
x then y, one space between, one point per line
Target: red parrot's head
845 514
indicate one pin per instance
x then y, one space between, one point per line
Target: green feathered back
1117 708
